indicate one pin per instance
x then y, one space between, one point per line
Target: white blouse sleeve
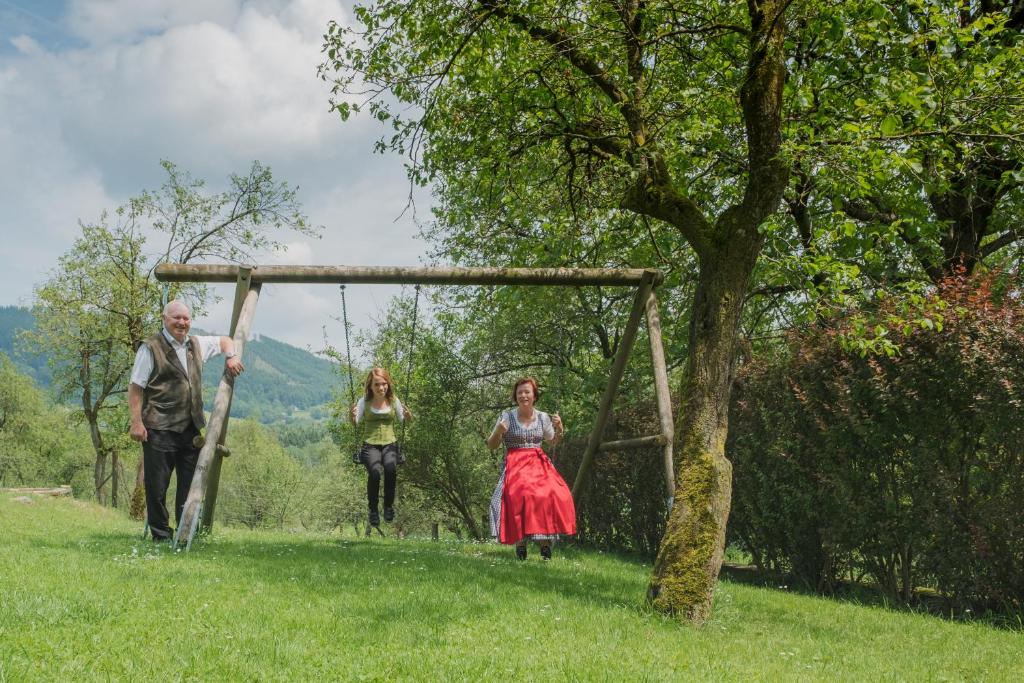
549 429
360 407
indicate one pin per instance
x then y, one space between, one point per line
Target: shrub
907 467
38 444
622 506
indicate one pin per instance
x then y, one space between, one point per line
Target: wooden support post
433 531
618 368
190 515
242 287
661 391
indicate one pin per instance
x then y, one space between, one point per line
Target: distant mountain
281 382
13 319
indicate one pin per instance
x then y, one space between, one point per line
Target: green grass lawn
83 598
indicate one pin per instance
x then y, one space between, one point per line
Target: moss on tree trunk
690 555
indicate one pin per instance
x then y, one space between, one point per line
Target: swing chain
560 387
412 350
348 352
357 454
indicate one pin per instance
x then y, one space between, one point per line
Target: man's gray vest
173 399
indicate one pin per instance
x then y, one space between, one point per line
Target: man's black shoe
389 514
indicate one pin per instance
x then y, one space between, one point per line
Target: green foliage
231 225
80 591
447 463
469 351
102 301
908 156
89 316
334 490
262 486
39 445
550 129
623 506
905 467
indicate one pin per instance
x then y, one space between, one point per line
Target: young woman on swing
379 409
531 500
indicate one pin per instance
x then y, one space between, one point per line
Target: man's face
178 321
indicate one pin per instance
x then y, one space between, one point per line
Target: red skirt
535 499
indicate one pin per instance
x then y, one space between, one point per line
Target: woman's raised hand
352 413
406 412
556 422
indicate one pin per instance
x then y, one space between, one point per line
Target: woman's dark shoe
374 518
389 514
545 552
520 552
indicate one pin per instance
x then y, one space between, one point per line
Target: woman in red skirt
531 500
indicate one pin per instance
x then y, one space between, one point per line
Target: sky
94 93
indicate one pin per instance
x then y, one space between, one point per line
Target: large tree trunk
691 551
100 467
115 480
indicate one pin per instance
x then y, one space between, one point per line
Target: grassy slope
78 602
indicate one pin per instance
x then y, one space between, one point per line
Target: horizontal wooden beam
639 442
398 275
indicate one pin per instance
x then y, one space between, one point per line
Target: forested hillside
281 381
13 319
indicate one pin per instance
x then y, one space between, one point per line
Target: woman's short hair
386 376
526 380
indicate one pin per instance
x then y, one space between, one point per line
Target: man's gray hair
176 302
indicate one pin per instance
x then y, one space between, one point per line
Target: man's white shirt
209 346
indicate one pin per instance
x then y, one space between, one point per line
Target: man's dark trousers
164 452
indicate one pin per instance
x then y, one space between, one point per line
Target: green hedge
908 469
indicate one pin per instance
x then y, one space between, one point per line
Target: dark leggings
380 460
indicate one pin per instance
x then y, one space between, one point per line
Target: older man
165 398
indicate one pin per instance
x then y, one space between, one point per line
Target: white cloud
100 22
294 254
210 85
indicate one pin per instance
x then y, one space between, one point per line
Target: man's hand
234 366
138 431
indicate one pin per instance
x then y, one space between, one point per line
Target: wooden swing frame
248 279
